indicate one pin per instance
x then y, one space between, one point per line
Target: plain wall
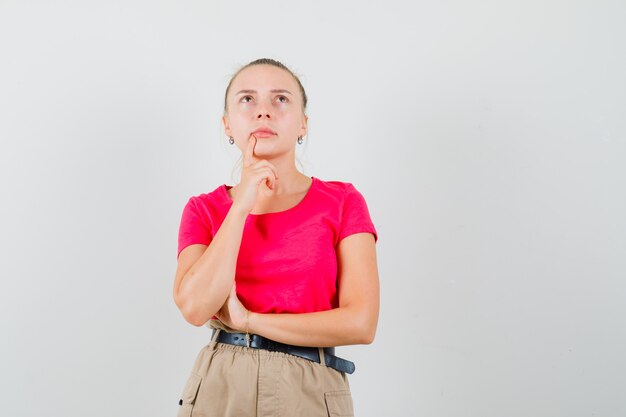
488 138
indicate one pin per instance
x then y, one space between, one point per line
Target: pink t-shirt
287 261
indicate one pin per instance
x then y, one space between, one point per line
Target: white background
488 138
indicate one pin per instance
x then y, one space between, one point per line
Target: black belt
310 353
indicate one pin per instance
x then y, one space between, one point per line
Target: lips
263 132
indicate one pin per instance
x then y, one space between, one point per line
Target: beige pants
237 381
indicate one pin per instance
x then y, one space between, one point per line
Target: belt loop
322 357
216 333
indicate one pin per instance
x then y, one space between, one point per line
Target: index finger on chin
248 156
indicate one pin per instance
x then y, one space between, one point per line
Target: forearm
206 285
337 327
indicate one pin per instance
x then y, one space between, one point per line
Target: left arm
353 322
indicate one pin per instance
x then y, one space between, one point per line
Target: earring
300 140
231 140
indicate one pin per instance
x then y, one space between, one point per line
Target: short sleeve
195 227
355 216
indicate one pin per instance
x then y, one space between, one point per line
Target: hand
233 313
257 175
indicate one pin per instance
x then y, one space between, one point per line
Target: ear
227 126
303 127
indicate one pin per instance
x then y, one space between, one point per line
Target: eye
245 97
281 97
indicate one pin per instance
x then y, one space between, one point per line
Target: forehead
263 77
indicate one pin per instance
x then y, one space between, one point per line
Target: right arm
205 274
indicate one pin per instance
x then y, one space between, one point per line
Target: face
264 96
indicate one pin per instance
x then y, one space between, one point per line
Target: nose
263 110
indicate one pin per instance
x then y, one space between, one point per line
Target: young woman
281 266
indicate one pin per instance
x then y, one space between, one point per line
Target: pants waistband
311 353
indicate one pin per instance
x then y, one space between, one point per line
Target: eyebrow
254 91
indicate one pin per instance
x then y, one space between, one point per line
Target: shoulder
342 192
216 197
337 188
352 211
343 195
205 210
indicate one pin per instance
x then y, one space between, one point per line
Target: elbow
368 335
193 319
366 331
191 314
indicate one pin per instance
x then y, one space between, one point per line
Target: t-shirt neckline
225 189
